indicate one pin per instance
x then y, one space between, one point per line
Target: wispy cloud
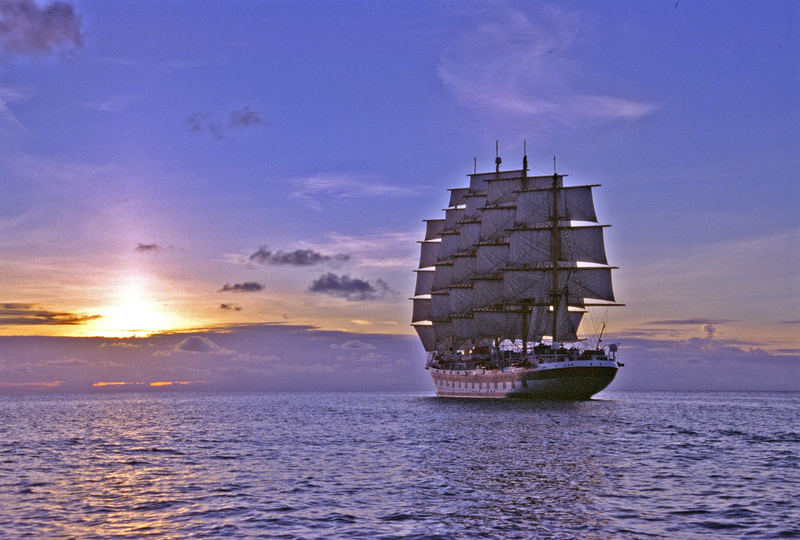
389 250
311 188
353 345
690 322
19 314
230 307
298 257
111 104
350 288
517 66
147 247
10 95
200 344
29 29
247 286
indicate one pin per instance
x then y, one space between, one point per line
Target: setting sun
134 313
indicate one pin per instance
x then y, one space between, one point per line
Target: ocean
399 465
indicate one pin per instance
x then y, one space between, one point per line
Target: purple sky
256 173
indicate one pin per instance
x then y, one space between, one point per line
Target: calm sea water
626 465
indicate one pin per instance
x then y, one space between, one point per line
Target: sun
134 312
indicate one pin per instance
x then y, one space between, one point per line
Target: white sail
463 268
464 327
477 183
583 244
460 300
537 285
500 324
502 190
531 285
443 276
449 245
469 234
440 305
451 218
491 258
443 334
578 203
487 292
574 204
567 322
494 221
422 310
542 182
474 203
426 336
433 228
533 246
457 196
424 282
429 254
583 283
530 247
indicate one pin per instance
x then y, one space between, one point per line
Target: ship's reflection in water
372 465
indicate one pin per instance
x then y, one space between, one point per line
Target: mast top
497 160
525 157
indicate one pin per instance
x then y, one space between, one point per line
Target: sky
229 194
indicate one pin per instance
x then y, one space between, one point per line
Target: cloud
147 247
18 314
28 29
283 357
264 357
230 307
10 95
123 344
247 286
519 67
238 119
353 289
342 186
199 344
244 117
353 345
703 364
111 104
692 322
395 250
298 257
709 330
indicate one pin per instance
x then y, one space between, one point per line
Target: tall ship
504 280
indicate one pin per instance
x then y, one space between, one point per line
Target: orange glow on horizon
124 383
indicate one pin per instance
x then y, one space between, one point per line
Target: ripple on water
399 466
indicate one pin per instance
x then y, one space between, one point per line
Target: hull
577 380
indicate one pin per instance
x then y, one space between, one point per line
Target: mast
556 253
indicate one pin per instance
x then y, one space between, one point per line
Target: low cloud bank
266 357
282 357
